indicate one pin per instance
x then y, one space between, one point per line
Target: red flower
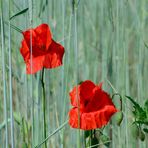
45 51
95 106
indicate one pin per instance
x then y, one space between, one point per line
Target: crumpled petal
35 65
86 90
96 106
91 120
54 56
25 51
44 34
73 96
45 51
40 37
99 100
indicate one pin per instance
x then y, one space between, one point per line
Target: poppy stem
91 137
44 106
117 94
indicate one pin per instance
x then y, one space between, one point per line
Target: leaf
141 122
134 102
145 130
17 118
3 124
146 106
14 27
19 13
94 141
87 133
139 112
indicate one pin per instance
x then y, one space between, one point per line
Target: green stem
53 133
74 12
44 106
117 94
91 132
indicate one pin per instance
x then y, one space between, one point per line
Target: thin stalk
91 136
4 79
63 69
74 8
85 144
53 133
31 83
10 88
44 106
96 145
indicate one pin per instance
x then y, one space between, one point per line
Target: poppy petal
44 35
73 96
97 119
41 37
86 89
35 65
29 34
92 120
96 106
103 116
73 118
25 51
100 99
54 56
45 51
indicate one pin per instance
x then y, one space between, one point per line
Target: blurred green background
104 40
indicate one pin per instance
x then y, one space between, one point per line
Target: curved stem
44 106
117 94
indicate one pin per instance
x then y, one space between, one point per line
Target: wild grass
103 39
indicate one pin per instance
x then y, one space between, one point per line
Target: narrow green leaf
14 27
19 13
3 124
17 118
134 102
139 112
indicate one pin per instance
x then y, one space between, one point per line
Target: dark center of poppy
86 102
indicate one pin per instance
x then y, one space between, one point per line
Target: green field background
105 41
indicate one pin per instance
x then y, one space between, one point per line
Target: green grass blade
19 13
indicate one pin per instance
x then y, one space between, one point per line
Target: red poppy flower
45 51
95 106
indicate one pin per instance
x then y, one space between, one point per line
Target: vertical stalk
4 79
62 69
10 84
44 106
31 83
74 8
